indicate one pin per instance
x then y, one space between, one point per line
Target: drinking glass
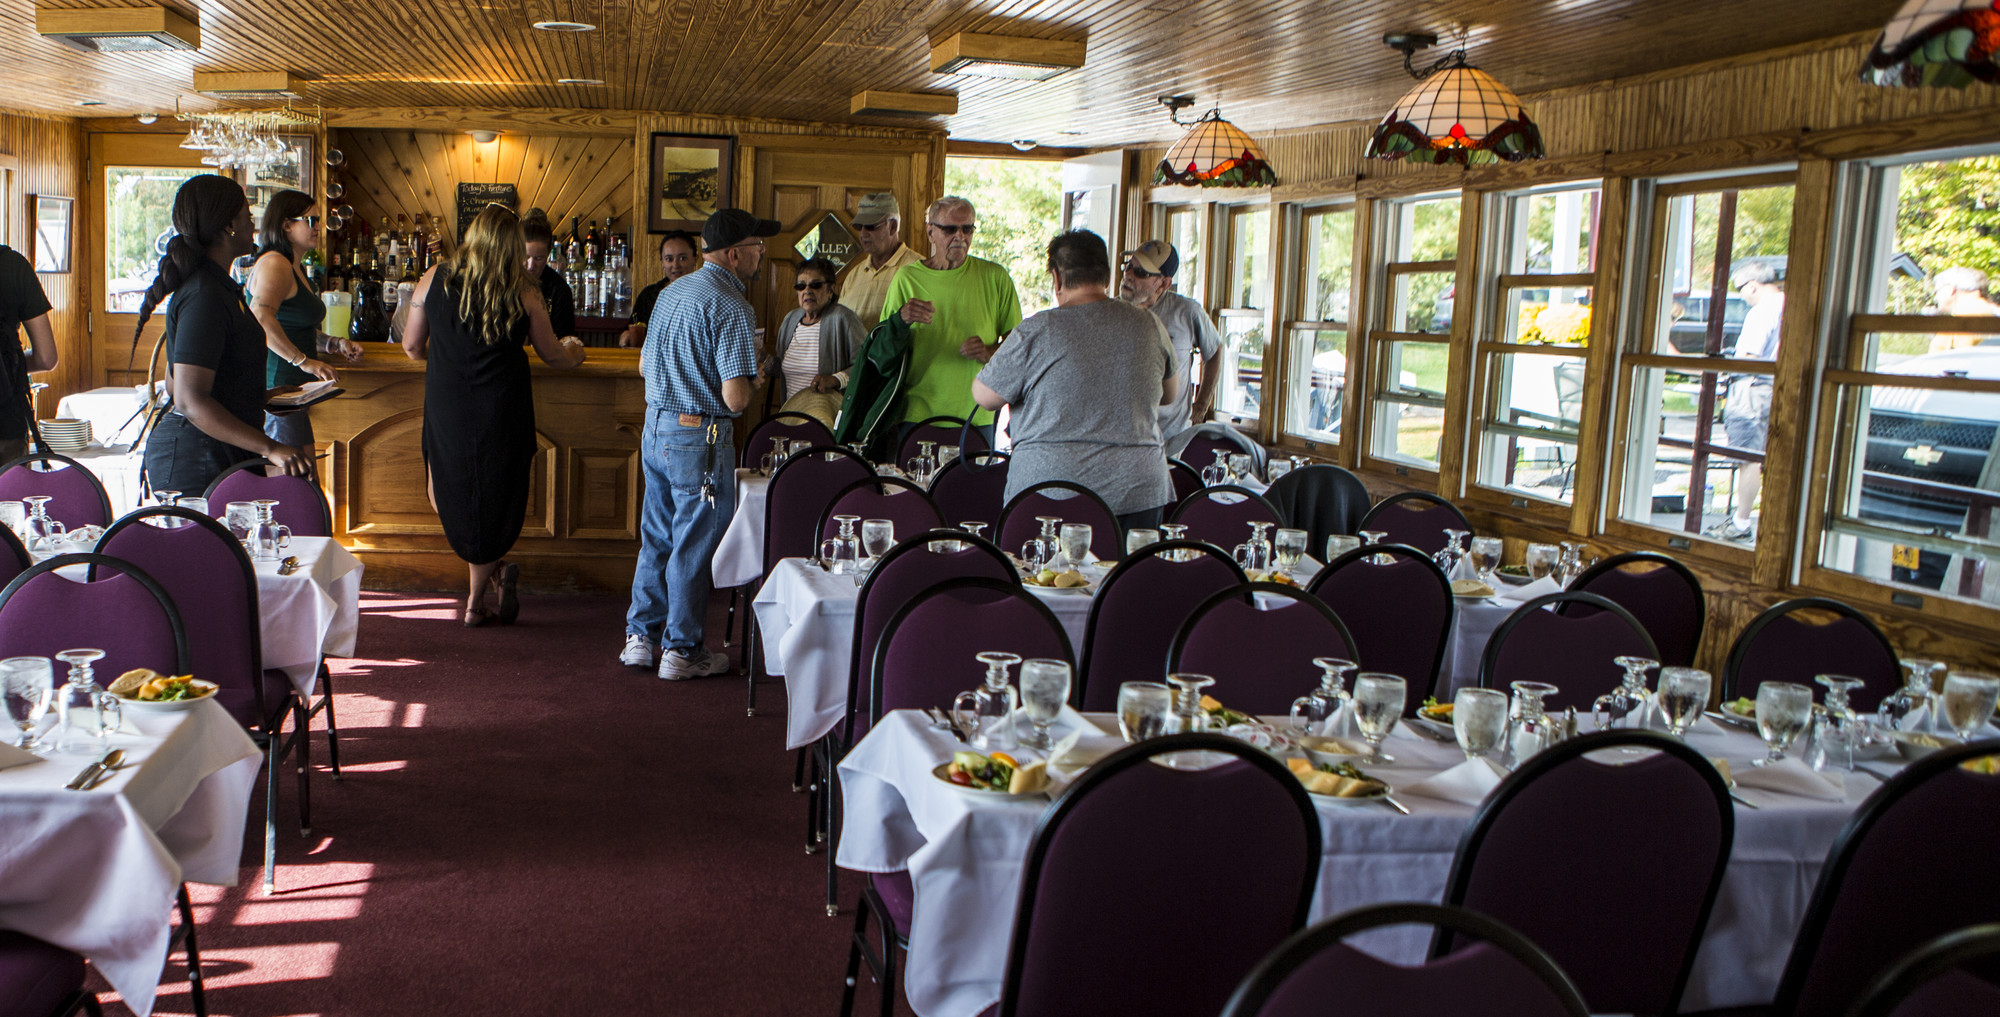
946 455
1040 551
1277 468
1339 544
82 693
1486 553
1968 701
1369 537
1044 690
269 538
1530 728
162 497
44 534
989 719
974 527
1254 555
1176 531
1188 716
1783 710
1142 710
14 516
1447 556
27 683
1075 540
1839 725
1378 705
1241 467
776 457
1479 719
924 464
241 518
878 536
1216 474
840 552
1138 538
1919 689
192 503
1570 563
1311 711
1541 559
1683 695
1289 549
1624 705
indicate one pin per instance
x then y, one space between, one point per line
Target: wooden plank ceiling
1273 64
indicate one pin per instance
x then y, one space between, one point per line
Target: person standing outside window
23 306
1148 281
1086 379
878 225
1746 409
678 257
700 370
958 308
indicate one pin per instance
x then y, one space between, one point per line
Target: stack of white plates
66 435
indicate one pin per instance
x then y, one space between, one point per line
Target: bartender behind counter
555 289
678 257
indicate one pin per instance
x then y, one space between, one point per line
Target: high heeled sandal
506 582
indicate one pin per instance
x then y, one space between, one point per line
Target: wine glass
1486 553
1044 690
1371 537
1075 540
1338 544
165 497
1176 531
1142 710
1311 711
1840 725
1479 720
974 527
1289 549
1447 556
1613 708
1541 560
1138 538
27 683
1919 689
1683 695
1188 717
1378 705
1783 710
1968 701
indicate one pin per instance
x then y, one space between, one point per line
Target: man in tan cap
878 225
1149 282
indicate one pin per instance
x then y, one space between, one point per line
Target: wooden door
118 158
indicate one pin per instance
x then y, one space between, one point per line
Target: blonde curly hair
491 273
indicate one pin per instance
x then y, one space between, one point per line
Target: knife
1394 804
82 780
1881 775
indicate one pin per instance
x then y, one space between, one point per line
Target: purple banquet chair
75 496
1321 499
800 491
784 424
127 614
924 658
199 562
1662 823
1261 659
1399 614
1138 610
1094 934
14 556
1415 518
1572 651
1187 479
1798 640
1074 504
892 498
1947 977
1222 515
1659 591
946 431
301 504
964 494
1316 974
39 979
1869 910
1197 445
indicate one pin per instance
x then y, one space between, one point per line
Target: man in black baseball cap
729 227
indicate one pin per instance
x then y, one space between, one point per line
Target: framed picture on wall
48 240
690 176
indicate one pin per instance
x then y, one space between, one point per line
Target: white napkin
1468 782
13 756
1539 588
1792 777
1077 752
1463 569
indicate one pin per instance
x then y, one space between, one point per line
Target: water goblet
1289 549
1139 538
1075 541
878 536
1142 710
1242 468
1188 716
1541 560
946 455
1783 711
989 720
1378 705
1919 690
194 504
1624 705
1311 711
1044 690
1447 556
1570 563
1683 695
1486 553
1839 724
1530 728
1277 468
1371 537
27 684
165 497
82 693
1176 531
1967 702
1340 543
1479 720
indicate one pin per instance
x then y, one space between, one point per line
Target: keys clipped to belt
708 479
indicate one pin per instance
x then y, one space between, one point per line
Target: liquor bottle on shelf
370 322
390 276
408 283
336 277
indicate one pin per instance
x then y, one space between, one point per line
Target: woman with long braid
215 348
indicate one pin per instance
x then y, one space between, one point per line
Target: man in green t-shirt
958 307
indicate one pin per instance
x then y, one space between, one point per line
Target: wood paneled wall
48 158
392 172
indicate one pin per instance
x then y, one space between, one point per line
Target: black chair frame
744 460
45 457
1581 582
92 560
1149 551
1733 666
312 476
1000 525
1182 506
1494 645
1491 809
1443 581
1246 593
1245 443
975 462
1177 465
1925 963
1368 519
751 650
944 420
1111 766
1268 976
11 544
876 481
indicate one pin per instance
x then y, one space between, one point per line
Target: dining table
96 871
965 853
739 556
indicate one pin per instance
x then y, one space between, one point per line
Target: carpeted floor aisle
527 827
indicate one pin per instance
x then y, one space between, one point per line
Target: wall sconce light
484 137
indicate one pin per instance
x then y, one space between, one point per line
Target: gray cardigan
840 337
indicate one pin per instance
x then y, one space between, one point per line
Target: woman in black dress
215 348
470 318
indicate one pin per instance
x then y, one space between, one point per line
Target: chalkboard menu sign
472 198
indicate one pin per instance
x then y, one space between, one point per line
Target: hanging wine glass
335 157
335 191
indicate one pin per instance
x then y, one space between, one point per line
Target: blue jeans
678 530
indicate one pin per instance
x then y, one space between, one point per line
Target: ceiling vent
1005 56
148 29
246 84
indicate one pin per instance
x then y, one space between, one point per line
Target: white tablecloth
113 413
739 559
1472 627
965 857
117 469
96 871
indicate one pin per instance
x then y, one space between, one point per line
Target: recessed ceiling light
565 26
90 102
579 81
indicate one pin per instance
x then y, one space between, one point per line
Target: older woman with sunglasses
283 301
817 342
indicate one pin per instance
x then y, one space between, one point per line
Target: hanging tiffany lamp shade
1215 153
1937 43
1457 114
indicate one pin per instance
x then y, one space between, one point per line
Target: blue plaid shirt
703 333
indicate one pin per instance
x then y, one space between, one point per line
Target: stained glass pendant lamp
1456 113
1937 43
1213 153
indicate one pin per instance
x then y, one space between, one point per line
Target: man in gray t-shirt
1148 282
1085 378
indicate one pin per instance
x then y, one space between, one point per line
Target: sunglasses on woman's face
816 284
310 220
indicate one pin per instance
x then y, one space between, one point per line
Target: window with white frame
1243 314
1411 340
1319 328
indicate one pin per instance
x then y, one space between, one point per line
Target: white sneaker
676 666
638 651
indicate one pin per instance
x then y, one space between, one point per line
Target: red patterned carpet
526 827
